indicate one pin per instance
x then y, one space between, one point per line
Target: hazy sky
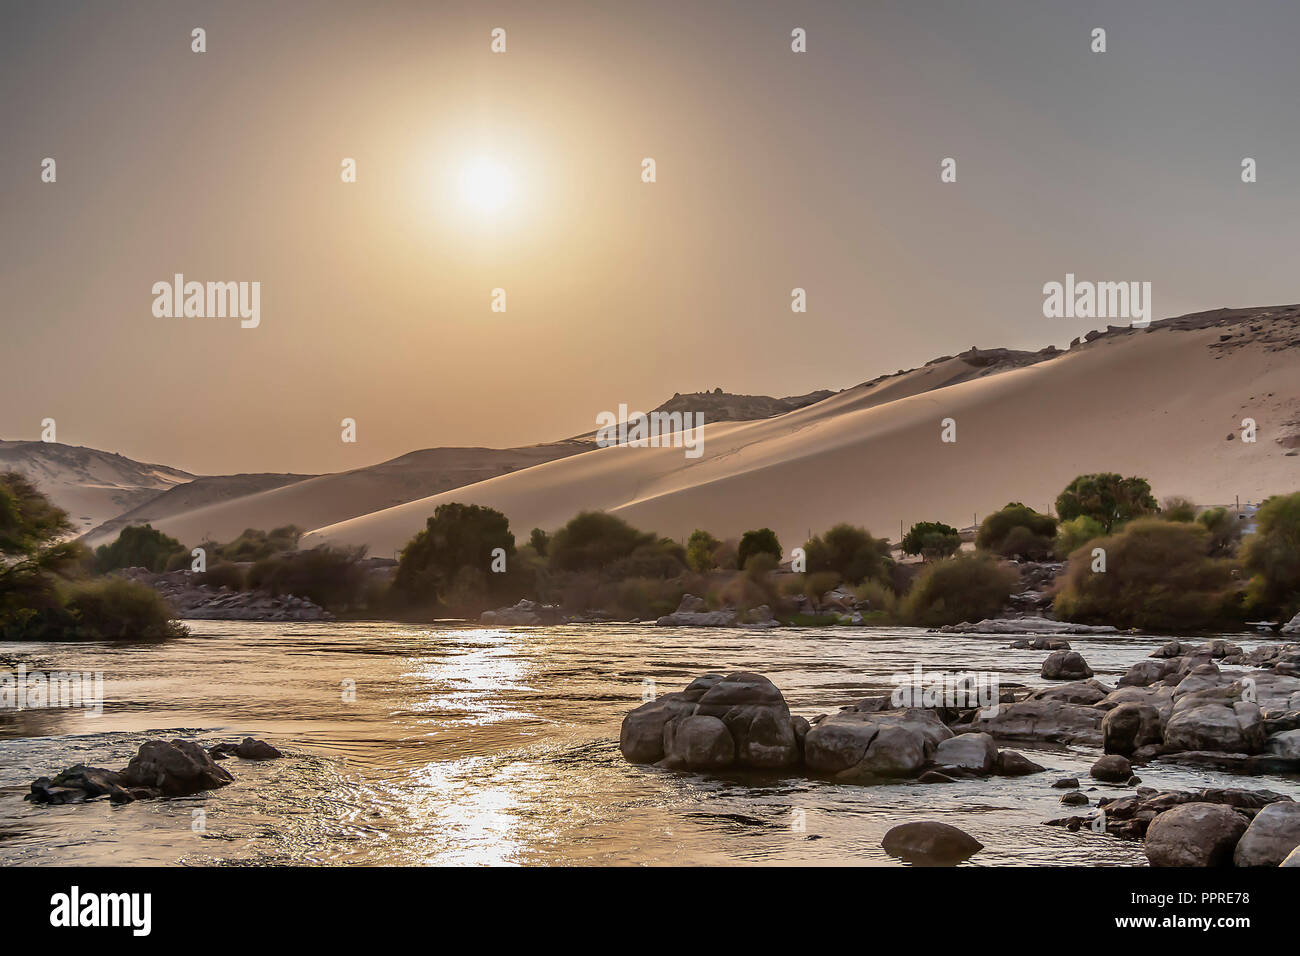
818 170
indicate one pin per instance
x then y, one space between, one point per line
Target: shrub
254 544
664 558
1017 531
330 577
118 610
701 551
817 583
1158 577
1224 528
224 574
881 601
457 536
755 542
1107 498
932 540
1272 555
1075 533
593 540
1178 508
962 588
138 546
850 552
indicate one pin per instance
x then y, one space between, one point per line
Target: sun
485 184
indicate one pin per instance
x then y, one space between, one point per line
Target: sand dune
91 485
1158 402
218 512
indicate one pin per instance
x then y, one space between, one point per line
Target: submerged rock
930 842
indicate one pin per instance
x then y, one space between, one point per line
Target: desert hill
1159 402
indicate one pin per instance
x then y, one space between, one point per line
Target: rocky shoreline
1210 704
200 602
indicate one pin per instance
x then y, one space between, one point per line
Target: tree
138 546
540 541
39 600
755 542
932 540
1178 508
851 552
1272 555
967 587
1158 576
457 536
1224 528
1017 531
1107 498
701 550
1075 533
593 540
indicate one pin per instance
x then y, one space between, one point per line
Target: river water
465 745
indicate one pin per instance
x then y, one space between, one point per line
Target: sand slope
91 485
1157 402
225 507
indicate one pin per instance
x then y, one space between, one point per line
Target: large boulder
176 769
756 716
1271 836
974 752
641 737
842 744
1089 691
1147 672
1285 744
1194 834
1215 719
1042 720
1065 665
1111 768
1129 726
929 842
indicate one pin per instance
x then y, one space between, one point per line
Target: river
465 745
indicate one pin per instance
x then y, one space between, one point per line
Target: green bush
456 537
138 546
969 587
1272 555
255 544
330 577
1075 533
115 609
593 540
701 551
755 542
881 601
932 540
1106 498
1178 508
1017 531
1158 577
1224 528
850 552
224 574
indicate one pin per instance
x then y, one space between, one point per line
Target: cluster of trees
45 590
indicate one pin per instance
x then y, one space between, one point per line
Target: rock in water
928 842
974 752
1272 836
176 769
1130 726
1012 764
1065 665
698 743
1112 768
1194 834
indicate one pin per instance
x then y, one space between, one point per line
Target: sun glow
485 185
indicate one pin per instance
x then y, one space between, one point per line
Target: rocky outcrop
928 842
1215 719
855 745
178 768
1024 625
199 602
1129 727
692 611
1042 720
759 730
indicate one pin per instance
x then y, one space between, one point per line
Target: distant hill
92 486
